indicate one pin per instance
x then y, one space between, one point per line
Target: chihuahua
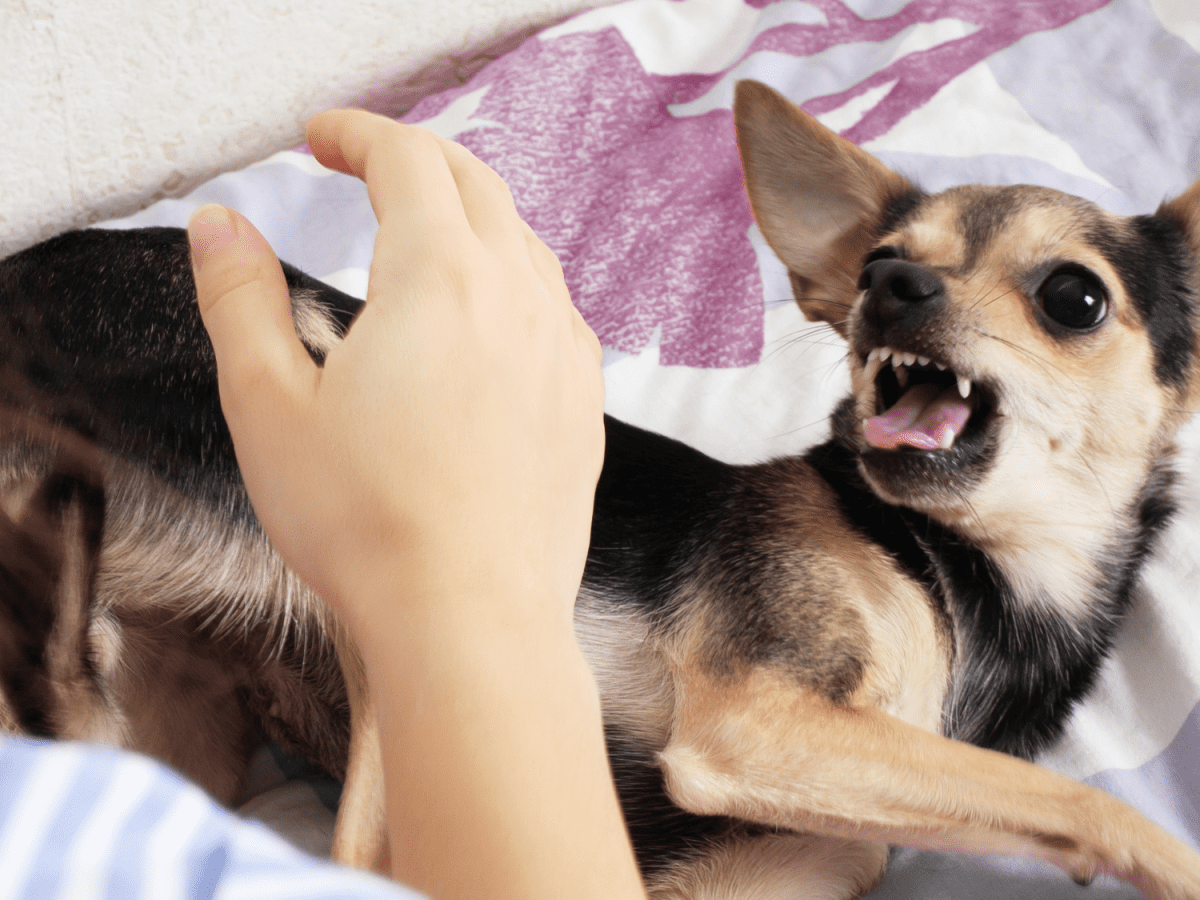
801 662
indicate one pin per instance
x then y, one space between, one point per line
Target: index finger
409 181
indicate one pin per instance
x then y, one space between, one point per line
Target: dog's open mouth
920 403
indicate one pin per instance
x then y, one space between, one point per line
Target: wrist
447 587
493 742
423 618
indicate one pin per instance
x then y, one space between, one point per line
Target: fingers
244 302
487 201
420 184
412 191
424 188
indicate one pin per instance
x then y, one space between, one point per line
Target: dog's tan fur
858 773
181 632
192 630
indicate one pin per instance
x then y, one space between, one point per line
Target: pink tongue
921 418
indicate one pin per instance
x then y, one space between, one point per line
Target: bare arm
433 482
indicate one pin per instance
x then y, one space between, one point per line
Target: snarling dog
801 662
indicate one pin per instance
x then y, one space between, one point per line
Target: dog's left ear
819 200
1184 211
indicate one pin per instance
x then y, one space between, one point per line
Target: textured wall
108 105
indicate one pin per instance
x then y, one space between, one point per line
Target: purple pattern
918 76
645 210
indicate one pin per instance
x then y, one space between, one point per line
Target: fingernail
212 228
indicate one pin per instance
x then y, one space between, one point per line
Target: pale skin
433 482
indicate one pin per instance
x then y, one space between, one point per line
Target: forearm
433 482
497 781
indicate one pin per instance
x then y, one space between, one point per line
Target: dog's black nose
900 279
899 291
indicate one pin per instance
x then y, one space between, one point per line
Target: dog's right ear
819 200
1184 213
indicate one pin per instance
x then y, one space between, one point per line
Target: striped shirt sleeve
80 822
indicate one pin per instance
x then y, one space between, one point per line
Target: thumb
244 301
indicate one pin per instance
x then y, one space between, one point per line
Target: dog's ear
819 200
1184 211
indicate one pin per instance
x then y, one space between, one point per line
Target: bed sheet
614 131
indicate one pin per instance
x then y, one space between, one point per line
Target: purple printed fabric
614 131
645 207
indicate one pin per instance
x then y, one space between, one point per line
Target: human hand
452 442
434 483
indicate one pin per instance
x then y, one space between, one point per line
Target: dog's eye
1073 299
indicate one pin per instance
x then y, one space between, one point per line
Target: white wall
108 105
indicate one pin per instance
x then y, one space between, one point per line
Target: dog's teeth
964 387
940 367
873 355
872 367
897 361
910 358
922 360
947 439
884 353
902 376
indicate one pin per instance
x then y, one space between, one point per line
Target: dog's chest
697 565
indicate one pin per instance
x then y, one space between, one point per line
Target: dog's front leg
360 835
761 748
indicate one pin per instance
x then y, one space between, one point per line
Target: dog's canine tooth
902 376
947 440
872 366
884 353
964 387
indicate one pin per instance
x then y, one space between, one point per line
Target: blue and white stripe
79 822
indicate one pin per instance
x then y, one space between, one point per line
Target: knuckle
548 259
226 275
586 336
544 259
397 149
475 175
419 141
481 181
248 375
492 181
252 387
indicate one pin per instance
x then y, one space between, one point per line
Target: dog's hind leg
778 866
78 707
50 677
360 835
759 747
